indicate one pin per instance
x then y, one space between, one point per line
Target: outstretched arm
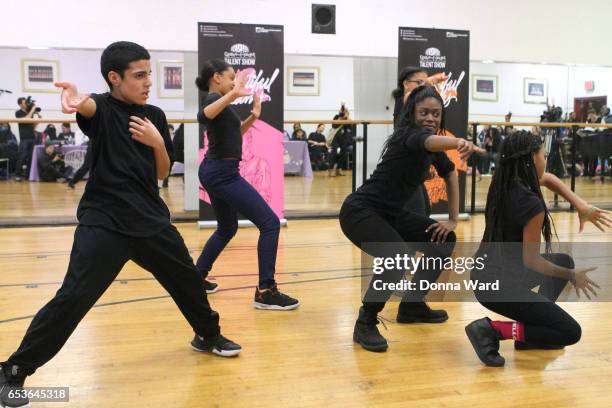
586 212
442 143
73 101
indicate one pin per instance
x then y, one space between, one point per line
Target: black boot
485 340
522 345
11 387
366 333
419 312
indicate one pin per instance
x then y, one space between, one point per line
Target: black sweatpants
545 322
404 234
97 257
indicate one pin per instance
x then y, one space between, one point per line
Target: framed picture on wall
535 90
170 84
303 81
485 88
39 75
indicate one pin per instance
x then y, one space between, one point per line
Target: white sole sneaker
265 306
222 353
208 292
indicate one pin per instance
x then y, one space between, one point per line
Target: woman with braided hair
516 213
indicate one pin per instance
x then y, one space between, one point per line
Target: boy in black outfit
121 217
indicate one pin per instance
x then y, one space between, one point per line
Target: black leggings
545 322
362 225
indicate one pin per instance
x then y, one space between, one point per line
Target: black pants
338 155
231 194
419 202
317 157
97 257
82 171
26 147
55 171
362 225
545 322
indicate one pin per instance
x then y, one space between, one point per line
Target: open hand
583 283
72 100
240 84
595 215
145 132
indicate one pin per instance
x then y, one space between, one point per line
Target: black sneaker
485 340
11 387
216 345
273 299
366 333
419 312
523 345
210 287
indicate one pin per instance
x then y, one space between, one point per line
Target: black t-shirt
121 194
404 166
224 137
505 257
317 137
520 206
26 131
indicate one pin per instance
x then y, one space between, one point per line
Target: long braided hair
515 164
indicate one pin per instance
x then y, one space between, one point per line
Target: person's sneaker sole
222 353
376 349
209 291
421 319
264 306
472 338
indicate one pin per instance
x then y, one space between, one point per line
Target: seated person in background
9 149
49 133
51 165
296 127
299 135
67 134
317 147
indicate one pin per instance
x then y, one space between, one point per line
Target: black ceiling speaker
323 19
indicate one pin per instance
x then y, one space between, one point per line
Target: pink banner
262 164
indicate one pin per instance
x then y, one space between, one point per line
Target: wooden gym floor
42 203
39 203
132 349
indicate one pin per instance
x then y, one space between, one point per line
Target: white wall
364 82
79 66
602 77
336 84
553 31
510 94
